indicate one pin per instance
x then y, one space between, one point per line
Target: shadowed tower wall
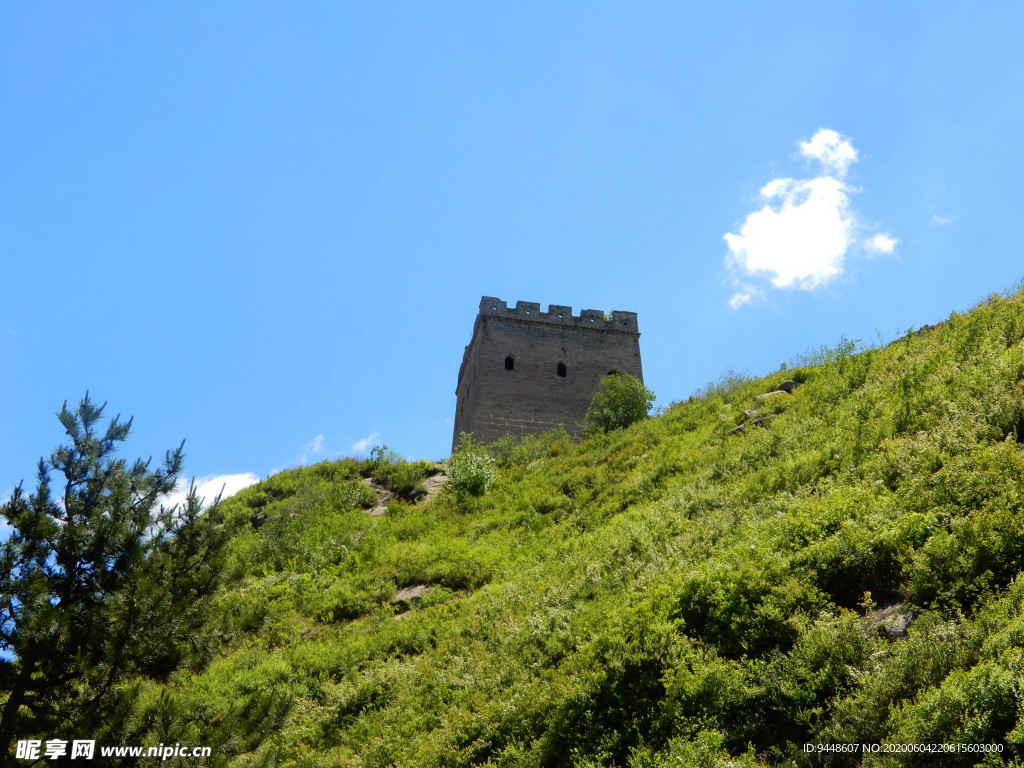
527 371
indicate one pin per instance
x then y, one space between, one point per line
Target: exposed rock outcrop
893 621
407 597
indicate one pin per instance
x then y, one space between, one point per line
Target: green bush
471 469
401 477
513 451
390 470
620 400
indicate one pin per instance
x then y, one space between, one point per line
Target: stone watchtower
527 371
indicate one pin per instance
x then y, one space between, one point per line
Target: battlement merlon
557 314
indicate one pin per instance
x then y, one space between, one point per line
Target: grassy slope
671 594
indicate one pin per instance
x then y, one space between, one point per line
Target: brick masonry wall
532 398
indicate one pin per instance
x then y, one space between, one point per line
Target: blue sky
265 228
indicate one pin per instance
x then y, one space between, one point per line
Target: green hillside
678 593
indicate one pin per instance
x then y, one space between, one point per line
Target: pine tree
101 586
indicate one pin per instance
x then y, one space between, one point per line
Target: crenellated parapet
558 314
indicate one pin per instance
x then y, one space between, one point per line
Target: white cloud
881 244
745 295
942 221
362 446
316 446
208 486
802 234
833 150
799 238
313 448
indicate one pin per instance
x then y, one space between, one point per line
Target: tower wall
531 397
